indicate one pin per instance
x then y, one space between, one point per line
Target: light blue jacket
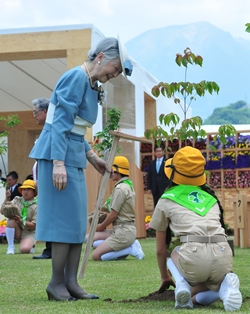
72 97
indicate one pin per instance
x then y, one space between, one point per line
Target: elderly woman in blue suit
61 152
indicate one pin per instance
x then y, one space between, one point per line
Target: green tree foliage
189 128
247 27
10 121
105 139
188 91
237 113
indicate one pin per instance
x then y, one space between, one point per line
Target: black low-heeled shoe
53 295
83 295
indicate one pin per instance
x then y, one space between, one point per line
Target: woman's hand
59 175
99 164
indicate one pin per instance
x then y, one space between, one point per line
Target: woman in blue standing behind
61 152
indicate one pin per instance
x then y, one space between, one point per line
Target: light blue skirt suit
62 215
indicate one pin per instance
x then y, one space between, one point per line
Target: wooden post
103 188
241 220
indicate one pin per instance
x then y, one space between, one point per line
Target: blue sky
128 18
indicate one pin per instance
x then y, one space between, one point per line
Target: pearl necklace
90 80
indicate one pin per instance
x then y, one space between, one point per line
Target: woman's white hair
109 47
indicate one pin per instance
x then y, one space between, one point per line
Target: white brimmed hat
127 66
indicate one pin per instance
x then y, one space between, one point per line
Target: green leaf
172 130
184 62
202 133
155 91
248 27
163 91
223 139
167 119
147 133
178 59
164 133
199 60
158 142
161 117
216 87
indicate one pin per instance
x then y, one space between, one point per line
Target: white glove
59 175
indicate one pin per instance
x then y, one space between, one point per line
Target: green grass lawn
23 282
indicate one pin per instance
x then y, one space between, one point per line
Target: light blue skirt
62 215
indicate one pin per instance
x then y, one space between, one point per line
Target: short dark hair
13 174
29 177
155 148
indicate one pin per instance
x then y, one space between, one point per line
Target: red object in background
2 230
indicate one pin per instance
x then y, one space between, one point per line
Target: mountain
237 113
226 60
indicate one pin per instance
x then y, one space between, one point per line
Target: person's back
202 264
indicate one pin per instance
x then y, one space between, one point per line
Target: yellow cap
186 167
121 165
28 184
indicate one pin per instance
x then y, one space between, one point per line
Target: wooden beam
45 41
76 56
130 137
33 55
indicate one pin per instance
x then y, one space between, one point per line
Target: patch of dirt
167 295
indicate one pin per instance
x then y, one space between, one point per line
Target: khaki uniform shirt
31 216
123 202
183 221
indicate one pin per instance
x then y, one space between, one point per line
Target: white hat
127 66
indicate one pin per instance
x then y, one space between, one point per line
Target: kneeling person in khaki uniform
121 240
202 265
21 225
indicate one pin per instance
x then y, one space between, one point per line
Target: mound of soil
154 296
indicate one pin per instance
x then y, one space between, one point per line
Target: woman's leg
71 268
70 275
60 252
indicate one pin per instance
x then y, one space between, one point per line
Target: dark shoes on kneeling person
42 256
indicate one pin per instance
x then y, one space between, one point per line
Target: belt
124 223
79 123
203 239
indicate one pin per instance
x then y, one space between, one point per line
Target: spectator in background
41 106
1 178
12 192
157 181
21 223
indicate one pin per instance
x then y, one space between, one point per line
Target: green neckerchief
126 181
24 210
191 197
